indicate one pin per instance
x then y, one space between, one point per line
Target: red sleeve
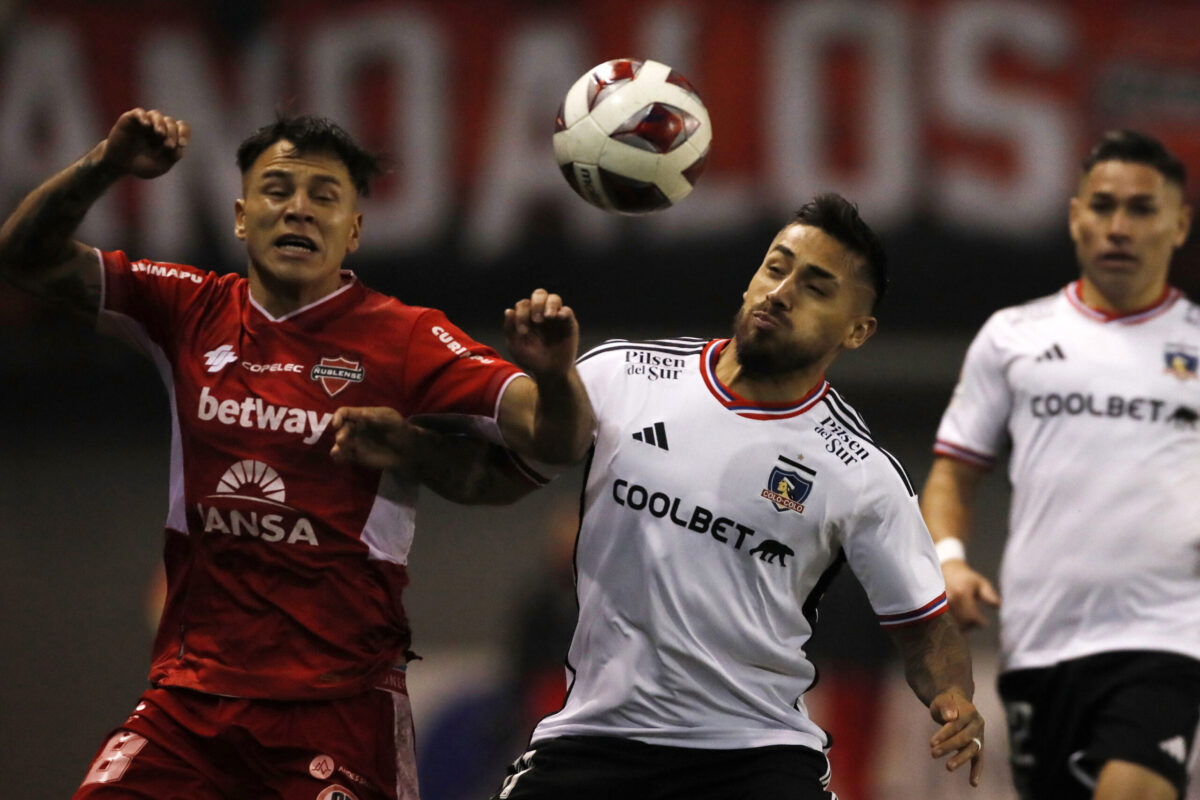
448 372
144 298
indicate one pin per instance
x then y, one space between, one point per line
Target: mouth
1117 258
765 320
295 244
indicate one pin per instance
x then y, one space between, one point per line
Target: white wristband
950 549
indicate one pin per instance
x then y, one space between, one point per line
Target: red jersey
284 568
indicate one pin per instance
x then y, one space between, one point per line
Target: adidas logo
655 435
1055 353
1175 747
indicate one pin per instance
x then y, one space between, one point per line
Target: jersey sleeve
143 302
451 381
974 428
891 552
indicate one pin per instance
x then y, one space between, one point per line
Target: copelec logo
217 360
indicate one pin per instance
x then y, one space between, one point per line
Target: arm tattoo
935 658
37 237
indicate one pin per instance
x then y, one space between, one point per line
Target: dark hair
839 218
310 134
1137 148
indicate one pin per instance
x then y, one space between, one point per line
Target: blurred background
956 125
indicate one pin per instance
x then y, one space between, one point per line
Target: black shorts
604 768
1066 721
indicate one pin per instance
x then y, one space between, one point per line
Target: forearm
936 659
948 499
461 470
562 420
37 236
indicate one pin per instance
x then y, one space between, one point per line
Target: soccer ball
632 136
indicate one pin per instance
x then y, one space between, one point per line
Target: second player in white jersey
1074 389
711 527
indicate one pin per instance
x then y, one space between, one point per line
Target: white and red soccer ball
632 136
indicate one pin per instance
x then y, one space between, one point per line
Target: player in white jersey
1096 390
727 482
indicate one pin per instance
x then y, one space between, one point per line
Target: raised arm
548 418
938 668
948 505
37 250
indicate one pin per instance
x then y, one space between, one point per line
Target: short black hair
1137 148
309 134
838 217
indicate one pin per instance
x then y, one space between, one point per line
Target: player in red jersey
278 665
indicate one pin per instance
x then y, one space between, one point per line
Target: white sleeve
974 428
891 553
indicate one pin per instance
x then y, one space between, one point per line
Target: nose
1118 225
779 295
299 207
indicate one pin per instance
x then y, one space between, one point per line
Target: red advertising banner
957 125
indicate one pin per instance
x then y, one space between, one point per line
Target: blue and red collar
752 409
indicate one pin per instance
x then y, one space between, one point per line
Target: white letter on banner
537 67
1036 128
180 78
48 119
797 122
415 209
719 203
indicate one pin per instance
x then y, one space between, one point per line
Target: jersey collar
1074 293
752 409
331 305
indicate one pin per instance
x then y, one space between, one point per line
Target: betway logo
252 412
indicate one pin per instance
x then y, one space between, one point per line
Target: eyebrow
286 175
1107 195
812 269
821 273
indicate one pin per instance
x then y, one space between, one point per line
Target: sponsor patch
1181 361
216 360
321 767
787 489
336 792
335 374
259 510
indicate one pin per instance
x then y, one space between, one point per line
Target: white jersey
711 526
1103 551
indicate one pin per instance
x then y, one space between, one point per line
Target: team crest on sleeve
787 488
335 374
1181 361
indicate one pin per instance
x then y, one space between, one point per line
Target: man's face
1127 220
806 303
299 217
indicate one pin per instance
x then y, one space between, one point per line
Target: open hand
145 143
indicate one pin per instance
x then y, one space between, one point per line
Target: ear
1185 225
861 329
1074 212
355 230
239 218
